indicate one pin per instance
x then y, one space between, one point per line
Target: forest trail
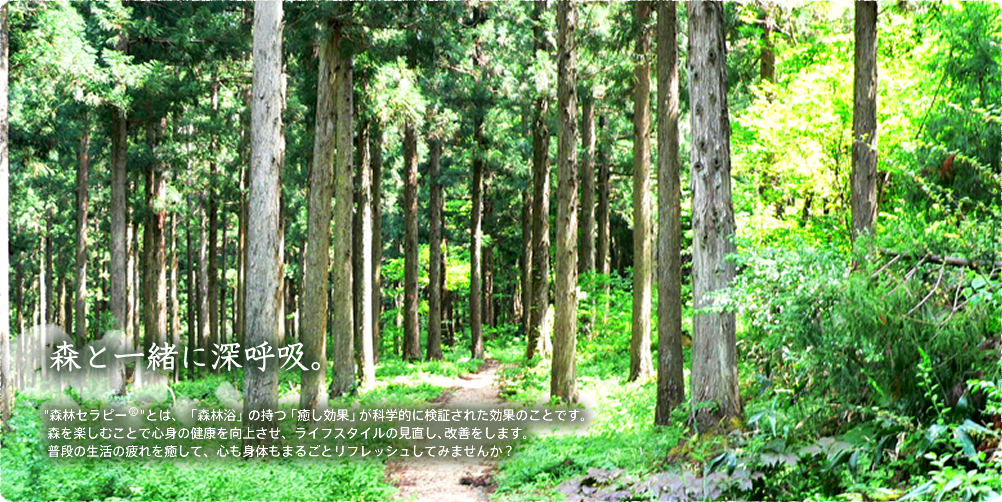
452 479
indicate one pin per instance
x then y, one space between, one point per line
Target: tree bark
539 336
476 244
671 383
412 340
864 120
563 377
213 213
155 311
714 355
119 224
526 261
316 274
602 211
435 269
264 251
192 330
6 389
376 151
344 340
641 366
83 174
203 290
368 374
174 324
588 185
767 66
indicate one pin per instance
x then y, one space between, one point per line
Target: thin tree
864 120
563 378
671 383
83 175
264 254
376 160
602 210
368 365
641 366
119 223
476 243
213 213
714 377
588 184
6 390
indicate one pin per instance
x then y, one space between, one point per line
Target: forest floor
450 479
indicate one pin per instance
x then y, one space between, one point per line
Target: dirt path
451 479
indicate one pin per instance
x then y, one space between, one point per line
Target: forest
756 245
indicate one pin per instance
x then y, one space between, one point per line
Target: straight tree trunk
538 340
435 269
222 278
714 354
264 250
412 340
191 306
213 212
83 174
526 261
368 374
203 290
119 224
50 299
43 271
641 366
6 382
476 245
376 147
316 274
137 257
767 66
671 383
864 120
175 318
155 312
563 377
602 211
588 185
344 340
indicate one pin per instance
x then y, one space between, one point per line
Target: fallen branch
954 261
934 289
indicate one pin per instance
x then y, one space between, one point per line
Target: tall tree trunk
435 270
222 278
602 211
119 224
43 271
641 366
526 261
264 263
213 212
241 298
563 378
49 302
376 147
174 325
538 340
155 311
476 244
316 274
864 120
344 340
714 353
671 384
6 389
136 258
412 340
203 290
191 305
83 173
588 185
368 373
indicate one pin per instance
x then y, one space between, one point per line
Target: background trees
418 137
